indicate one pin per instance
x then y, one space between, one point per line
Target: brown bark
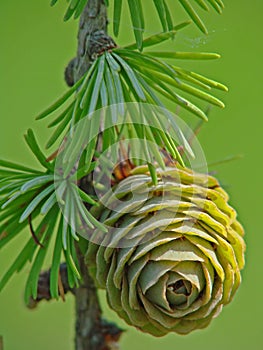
43 290
92 39
92 332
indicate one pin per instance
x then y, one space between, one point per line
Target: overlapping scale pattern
173 253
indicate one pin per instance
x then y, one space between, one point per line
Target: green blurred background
35 47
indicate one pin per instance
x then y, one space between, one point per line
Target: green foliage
126 75
75 8
51 200
163 11
27 196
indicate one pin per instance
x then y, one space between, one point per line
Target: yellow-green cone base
175 258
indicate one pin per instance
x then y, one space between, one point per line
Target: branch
43 290
92 39
92 332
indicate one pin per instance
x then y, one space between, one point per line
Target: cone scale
173 253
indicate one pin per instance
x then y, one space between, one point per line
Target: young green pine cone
173 253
